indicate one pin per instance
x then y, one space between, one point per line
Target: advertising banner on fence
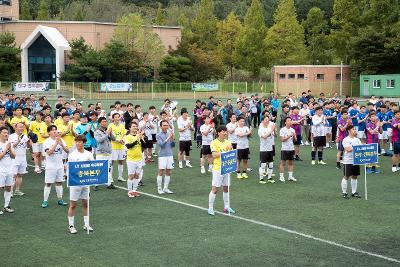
204 87
365 154
87 172
116 87
31 87
228 161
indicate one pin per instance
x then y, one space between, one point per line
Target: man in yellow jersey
134 143
38 127
19 118
118 131
75 121
221 144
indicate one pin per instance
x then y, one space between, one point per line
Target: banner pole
88 210
365 182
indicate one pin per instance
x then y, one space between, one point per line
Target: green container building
380 85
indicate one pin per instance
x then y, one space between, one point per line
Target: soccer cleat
62 203
88 227
38 170
111 186
167 191
136 194
313 162
8 209
271 181
282 179
262 181
394 169
72 229
338 167
45 204
356 195
369 171
160 191
121 179
292 179
210 212
96 188
321 162
131 195
180 165
249 169
245 176
1 212
307 143
202 170
229 211
239 176
188 165
345 196
18 193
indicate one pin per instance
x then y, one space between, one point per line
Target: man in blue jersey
383 118
362 124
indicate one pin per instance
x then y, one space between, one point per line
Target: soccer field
283 224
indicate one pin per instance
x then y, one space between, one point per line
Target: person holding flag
221 144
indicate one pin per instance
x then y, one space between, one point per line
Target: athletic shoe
111 186
140 183
239 176
160 191
211 212
188 165
180 165
45 204
282 179
394 169
72 229
345 195
313 162
1 212
8 209
131 195
202 170
292 179
356 195
249 169
262 181
18 193
383 151
62 203
96 188
320 162
298 158
370 171
377 172
271 181
88 227
245 176
121 179
229 211
167 191
38 170
338 167
307 143
136 194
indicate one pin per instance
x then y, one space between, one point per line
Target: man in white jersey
207 135
20 143
319 136
266 132
54 171
79 192
185 128
288 136
242 132
146 126
154 118
6 178
231 127
350 170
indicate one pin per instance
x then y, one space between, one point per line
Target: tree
250 52
9 58
175 69
228 32
25 10
79 15
160 20
204 26
285 42
316 28
43 13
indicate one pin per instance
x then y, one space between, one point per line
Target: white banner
116 87
205 87
32 87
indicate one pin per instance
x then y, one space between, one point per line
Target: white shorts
383 135
165 163
389 132
54 176
78 192
19 167
361 135
6 179
65 155
106 157
328 129
118 154
219 180
37 148
134 167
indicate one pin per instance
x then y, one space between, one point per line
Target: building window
282 76
5 2
338 76
320 76
390 84
300 76
291 76
376 83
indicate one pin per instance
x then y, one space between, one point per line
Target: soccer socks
270 170
59 191
261 170
281 175
344 186
140 175
111 173
320 155
130 185
211 200
120 170
7 198
159 181
225 196
135 183
86 220
290 175
353 186
313 153
166 181
71 220
46 193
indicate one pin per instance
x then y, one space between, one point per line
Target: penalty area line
276 227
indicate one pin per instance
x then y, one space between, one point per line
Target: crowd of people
126 135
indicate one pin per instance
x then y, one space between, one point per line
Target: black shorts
287 155
184 146
206 150
234 146
298 140
148 144
273 150
154 138
243 154
396 148
340 146
351 170
266 156
319 141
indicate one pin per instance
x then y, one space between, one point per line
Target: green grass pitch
149 231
